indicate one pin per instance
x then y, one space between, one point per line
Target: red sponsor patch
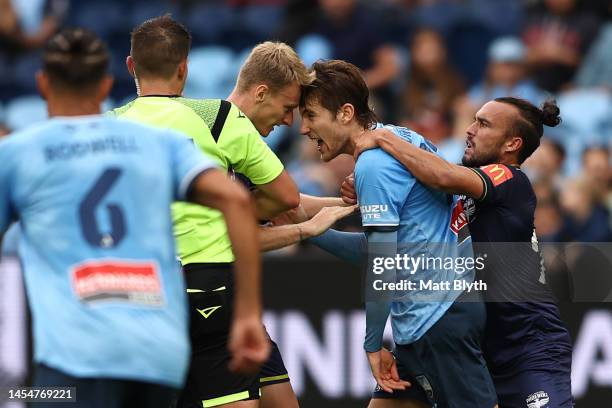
134 282
498 173
459 218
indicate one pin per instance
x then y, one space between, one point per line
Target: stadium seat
211 72
313 47
104 18
587 121
261 20
144 10
209 23
24 111
24 71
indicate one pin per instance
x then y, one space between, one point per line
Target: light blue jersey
93 196
430 225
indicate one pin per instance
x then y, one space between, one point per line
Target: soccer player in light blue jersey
437 360
92 195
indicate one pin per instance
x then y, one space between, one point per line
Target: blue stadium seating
24 111
587 121
211 72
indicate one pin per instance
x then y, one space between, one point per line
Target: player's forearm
378 303
427 167
268 207
312 204
348 246
242 230
271 238
377 313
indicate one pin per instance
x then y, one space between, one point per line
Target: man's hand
324 219
347 190
370 140
384 370
248 344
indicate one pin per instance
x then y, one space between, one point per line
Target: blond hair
275 64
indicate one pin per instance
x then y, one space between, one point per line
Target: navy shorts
209 380
446 366
535 389
102 392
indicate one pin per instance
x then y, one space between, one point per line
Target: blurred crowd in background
430 64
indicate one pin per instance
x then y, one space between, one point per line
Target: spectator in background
557 35
546 162
357 35
4 131
596 70
596 168
432 87
29 24
549 222
587 220
506 75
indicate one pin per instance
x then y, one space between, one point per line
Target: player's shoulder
410 136
29 134
119 111
376 161
505 176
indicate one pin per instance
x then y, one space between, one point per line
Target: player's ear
346 113
42 82
130 64
261 91
514 144
182 70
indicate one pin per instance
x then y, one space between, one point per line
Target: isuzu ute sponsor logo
373 212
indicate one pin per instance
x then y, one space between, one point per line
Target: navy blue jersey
524 328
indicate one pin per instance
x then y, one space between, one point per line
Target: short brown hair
338 82
75 59
275 64
159 45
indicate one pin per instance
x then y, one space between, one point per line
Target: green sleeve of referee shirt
247 152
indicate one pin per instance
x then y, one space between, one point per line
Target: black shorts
209 381
446 366
102 392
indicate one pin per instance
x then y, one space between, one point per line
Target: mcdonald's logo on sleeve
498 173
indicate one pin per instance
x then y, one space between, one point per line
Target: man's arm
277 196
312 204
427 167
276 237
214 189
348 246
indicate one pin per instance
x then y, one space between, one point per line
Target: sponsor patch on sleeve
498 173
136 283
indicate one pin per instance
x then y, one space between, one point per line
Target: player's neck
241 100
356 132
150 87
72 107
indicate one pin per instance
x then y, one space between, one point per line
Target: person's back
93 197
200 232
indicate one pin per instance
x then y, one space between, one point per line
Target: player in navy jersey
527 347
436 333
92 195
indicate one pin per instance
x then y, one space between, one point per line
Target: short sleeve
247 152
497 180
7 213
382 185
187 163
